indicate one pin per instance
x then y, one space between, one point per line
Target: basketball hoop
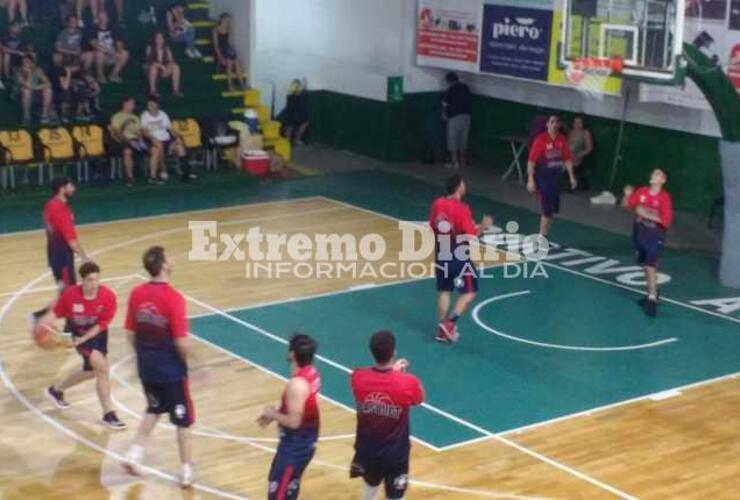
588 75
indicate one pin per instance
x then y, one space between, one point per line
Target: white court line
66 430
496 298
53 288
256 443
572 271
449 416
207 430
281 341
171 214
155 472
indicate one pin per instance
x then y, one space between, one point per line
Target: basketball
45 336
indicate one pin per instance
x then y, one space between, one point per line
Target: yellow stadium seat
271 130
90 142
16 148
252 98
58 147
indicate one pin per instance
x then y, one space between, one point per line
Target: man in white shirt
164 138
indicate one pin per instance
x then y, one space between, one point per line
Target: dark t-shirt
458 99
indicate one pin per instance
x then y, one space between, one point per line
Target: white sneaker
605 198
186 476
134 457
197 54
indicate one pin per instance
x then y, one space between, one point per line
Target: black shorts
98 343
648 243
395 475
170 397
548 191
456 275
62 264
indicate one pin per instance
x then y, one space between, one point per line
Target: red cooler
256 163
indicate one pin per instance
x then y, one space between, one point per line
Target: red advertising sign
448 33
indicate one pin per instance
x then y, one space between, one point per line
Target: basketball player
158 327
298 420
89 308
548 155
383 396
454 229
653 210
61 237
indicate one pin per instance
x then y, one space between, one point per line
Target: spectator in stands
20 7
581 146
181 31
108 49
96 6
13 48
126 131
34 88
164 140
69 44
456 109
86 93
60 77
225 53
294 117
161 63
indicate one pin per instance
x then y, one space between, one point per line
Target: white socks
369 492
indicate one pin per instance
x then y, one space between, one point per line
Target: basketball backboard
647 35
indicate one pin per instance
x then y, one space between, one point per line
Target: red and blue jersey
157 316
59 225
549 154
83 313
383 399
310 419
658 204
455 213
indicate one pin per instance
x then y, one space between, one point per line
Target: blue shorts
98 343
173 398
456 275
293 455
62 264
548 191
648 243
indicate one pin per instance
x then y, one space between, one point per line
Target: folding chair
58 148
16 149
90 143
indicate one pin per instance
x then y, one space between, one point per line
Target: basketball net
589 75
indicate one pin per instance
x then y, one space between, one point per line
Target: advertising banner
516 41
448 34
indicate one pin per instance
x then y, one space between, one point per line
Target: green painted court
533 349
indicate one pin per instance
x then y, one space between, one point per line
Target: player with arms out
88 308
158 329
297 418
384 394
454 229
61 237
653 211
548 155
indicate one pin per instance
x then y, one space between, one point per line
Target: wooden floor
681 447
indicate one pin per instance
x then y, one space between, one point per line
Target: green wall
412 131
